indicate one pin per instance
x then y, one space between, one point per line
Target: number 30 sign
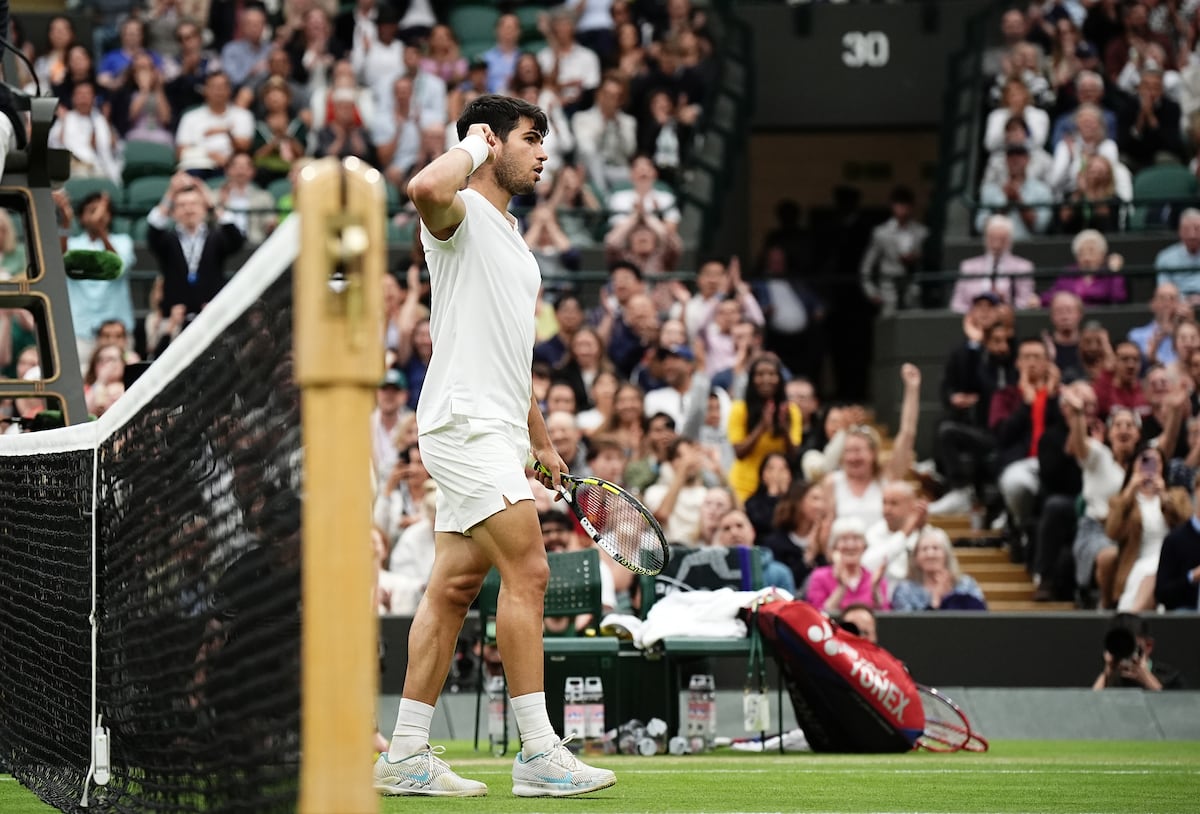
865 49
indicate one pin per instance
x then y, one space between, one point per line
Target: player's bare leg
544 767
410 766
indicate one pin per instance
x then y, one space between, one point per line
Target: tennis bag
849 695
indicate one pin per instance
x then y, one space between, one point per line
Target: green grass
1055 777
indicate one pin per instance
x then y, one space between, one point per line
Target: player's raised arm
434 190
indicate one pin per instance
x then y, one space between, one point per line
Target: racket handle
541 470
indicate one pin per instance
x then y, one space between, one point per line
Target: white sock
537 735
412 729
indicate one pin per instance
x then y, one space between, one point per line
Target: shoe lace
564 756
435 756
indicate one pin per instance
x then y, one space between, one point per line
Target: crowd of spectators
1087 98
241 95
681 400
1082 445
701 398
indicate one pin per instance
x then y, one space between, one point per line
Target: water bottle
655 740
497 712
702 713
573 709
710 711
628 735
593 715
697 713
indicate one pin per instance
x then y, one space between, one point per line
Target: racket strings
946 726
630 535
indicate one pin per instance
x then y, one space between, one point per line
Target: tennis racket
617 521
946 726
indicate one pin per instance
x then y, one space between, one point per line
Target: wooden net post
339 363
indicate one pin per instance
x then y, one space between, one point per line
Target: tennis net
173 524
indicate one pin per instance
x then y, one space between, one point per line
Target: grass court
1054 777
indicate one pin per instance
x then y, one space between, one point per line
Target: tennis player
478 420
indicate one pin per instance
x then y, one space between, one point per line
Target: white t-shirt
868 506
888 548
677 405
578 64
484 283
195 146
683 526
1102 478
595 16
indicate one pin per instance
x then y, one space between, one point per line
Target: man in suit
191 253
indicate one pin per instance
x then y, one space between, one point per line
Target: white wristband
476 147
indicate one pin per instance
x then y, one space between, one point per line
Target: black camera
1120 643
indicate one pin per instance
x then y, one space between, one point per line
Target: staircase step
997 571
1010 605
979 537
969 555
1007 590
951 523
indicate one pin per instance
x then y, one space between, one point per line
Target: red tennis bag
849 695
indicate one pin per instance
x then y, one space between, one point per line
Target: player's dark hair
501 113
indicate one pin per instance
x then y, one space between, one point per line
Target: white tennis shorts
476 463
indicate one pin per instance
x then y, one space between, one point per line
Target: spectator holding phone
1138 520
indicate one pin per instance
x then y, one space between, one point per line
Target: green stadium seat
144 158
143 193
713 150
1160 193
79 188
139 230
280 188
528 15
724 116
395 201
401 235
474 23
533 46
573 590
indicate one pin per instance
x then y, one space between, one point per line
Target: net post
339 364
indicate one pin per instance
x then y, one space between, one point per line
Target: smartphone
1148 465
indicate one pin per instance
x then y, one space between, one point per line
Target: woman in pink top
833 588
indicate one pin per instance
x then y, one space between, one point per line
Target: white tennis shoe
423 774
557 773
